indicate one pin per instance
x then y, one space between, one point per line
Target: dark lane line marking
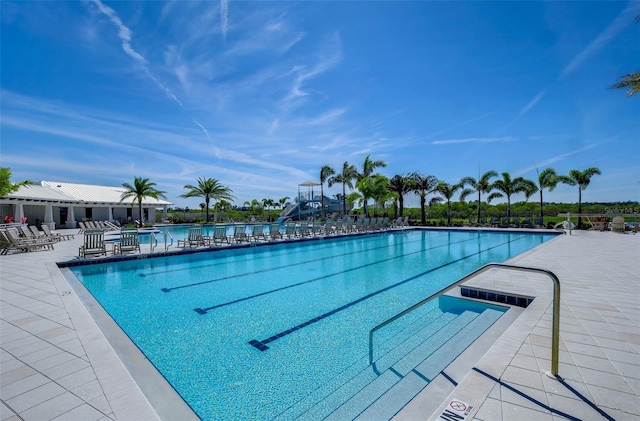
239 275
262 345
201 310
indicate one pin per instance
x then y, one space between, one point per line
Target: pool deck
56 364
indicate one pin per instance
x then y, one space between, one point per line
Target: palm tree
422 186
547 179
6 186
208 188
368 167
325 172
508 187
482 185
447 191
283 200
401 185
140 189
630 81
346 177
380 192
582 180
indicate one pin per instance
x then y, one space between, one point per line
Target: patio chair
617 224
129 241
220 234
93 244
194 238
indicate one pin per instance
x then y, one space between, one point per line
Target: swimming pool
281 331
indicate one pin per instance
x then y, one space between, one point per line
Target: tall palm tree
401 185
422 185
208 188
325 172
482 185
508 187
140 189
547 179
368 167
582 180
447 191
346 177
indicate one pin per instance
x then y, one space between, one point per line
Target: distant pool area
198 317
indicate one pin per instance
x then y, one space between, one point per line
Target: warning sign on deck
456 410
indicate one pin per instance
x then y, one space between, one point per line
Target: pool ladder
555 334
153 242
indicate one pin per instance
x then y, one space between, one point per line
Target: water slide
308 204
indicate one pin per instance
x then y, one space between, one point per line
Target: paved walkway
55 364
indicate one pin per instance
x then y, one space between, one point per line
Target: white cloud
623 19
473 140
224 18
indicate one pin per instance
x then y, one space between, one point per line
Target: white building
62 205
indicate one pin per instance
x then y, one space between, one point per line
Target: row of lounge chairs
243 233
97 225
505 222
29 238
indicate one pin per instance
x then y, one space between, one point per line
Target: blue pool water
280 331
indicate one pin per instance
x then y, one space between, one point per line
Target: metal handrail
555 335
152 239
166 247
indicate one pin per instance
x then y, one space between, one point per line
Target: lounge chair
93 244
39 235
257 232
290 229
617 224
239 233
11 240
83 227
48 232
129 241
274 231
30 236
306 229
317 229
194 238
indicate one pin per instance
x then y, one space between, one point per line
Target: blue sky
260 95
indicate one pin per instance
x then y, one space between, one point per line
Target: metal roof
88 193
40 193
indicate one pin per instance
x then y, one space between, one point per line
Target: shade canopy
309 184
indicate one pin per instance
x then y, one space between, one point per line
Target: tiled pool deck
55 364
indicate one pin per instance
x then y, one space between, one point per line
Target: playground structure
309 205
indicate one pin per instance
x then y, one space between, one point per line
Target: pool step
350 381
360 401
419 377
